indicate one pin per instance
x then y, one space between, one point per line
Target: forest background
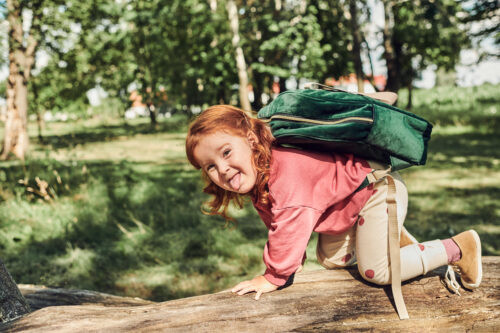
92 196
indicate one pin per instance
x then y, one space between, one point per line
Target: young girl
297 192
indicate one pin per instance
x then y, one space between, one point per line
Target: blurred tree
356 44
22 48
61 82
482 18
418 34
183 48
335 38
54 29
281 40
175 52
232 12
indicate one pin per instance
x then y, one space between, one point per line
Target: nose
223 168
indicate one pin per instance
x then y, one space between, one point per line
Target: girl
297 192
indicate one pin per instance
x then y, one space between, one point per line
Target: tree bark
12 303
39 297
282 84
232 12
371 77
323 300
409 105
21 59
258 90
356 46
393 82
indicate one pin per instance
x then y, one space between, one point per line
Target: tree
181 47
232 12
484 14
356 45
22 48
333 23
417 35
281 40
54 28
393 82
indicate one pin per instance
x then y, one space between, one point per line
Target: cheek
213 177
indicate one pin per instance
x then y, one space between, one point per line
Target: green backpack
335 120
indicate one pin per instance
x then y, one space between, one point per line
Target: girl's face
227 160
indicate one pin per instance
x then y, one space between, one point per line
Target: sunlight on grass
77 262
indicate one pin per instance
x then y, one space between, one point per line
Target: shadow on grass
440 215
134 233
111 132
463 150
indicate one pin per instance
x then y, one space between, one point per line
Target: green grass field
120 209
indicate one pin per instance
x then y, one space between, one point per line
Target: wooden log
322 301
39 297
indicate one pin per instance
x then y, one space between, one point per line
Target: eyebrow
221 147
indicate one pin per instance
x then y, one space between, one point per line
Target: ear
252 138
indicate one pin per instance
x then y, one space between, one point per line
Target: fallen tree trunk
337 300
39 297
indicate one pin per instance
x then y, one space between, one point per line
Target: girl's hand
259 284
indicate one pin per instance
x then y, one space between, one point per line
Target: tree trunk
12 303
40 123
277 5
282 83
258 90
370 60
39 297
319 301
356 46
410 90
393 82
232 12
21 60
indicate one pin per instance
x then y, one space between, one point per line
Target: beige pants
367 241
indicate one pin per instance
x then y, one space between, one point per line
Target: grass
120 209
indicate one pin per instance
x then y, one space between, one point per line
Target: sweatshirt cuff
274 278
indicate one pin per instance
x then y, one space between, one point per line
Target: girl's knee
333 263
381 277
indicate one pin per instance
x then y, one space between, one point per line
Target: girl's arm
259 284
284 252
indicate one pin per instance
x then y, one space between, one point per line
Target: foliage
333 24
484 14
424 33
179 53
122 213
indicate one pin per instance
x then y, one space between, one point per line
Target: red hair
234 121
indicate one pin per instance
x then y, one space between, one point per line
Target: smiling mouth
234 182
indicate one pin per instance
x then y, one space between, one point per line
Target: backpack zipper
319 122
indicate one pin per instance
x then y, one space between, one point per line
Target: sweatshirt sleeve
288 236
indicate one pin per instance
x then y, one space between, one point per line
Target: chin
246 190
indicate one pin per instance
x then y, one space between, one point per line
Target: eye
210 167
226 152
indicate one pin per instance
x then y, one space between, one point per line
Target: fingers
246 287
240 286
246 290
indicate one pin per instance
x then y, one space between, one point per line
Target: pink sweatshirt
308 191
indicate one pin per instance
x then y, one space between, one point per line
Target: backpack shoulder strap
380 172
